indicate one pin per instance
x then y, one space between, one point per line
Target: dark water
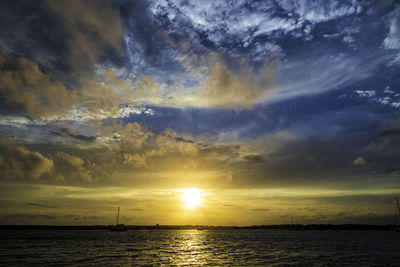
194 247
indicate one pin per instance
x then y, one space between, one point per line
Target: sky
260 110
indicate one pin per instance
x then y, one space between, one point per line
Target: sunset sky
199 112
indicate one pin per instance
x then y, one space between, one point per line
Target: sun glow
191 197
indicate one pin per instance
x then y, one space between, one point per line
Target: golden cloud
359 161
73 160
222 87
22 83
137 146
100 99
25 86
20 163
144 89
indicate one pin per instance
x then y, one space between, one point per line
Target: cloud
392 41
387 141
17 162
143 90
254 158
315 12
128 146
389 98
169 142
316 73
137 160
308 161
71 168
224 89
268 144
366 93
210 24
42 205
28 217
124 137
69 133
23 84
165 145
146 47
242 18
92 26
108 96
98 100
359 162
26 88
221 87
73 160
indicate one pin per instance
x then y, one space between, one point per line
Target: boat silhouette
118 227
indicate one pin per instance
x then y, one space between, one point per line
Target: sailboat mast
118 215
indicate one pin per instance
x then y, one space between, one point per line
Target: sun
191 197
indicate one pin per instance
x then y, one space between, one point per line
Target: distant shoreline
290 227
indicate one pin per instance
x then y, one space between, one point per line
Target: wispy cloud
392 41
42 205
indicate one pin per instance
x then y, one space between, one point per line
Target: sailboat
118 227
396 216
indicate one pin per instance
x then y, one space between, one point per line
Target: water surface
193 247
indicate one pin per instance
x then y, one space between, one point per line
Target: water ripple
192 247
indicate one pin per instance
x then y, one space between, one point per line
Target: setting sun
191 197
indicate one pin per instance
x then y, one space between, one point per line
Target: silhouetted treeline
290 227
320 227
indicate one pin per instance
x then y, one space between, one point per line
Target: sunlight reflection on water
193 247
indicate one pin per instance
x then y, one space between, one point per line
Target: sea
243 247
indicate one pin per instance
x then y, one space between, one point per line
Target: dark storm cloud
23 32
63 37
69 133
335 163
92 26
